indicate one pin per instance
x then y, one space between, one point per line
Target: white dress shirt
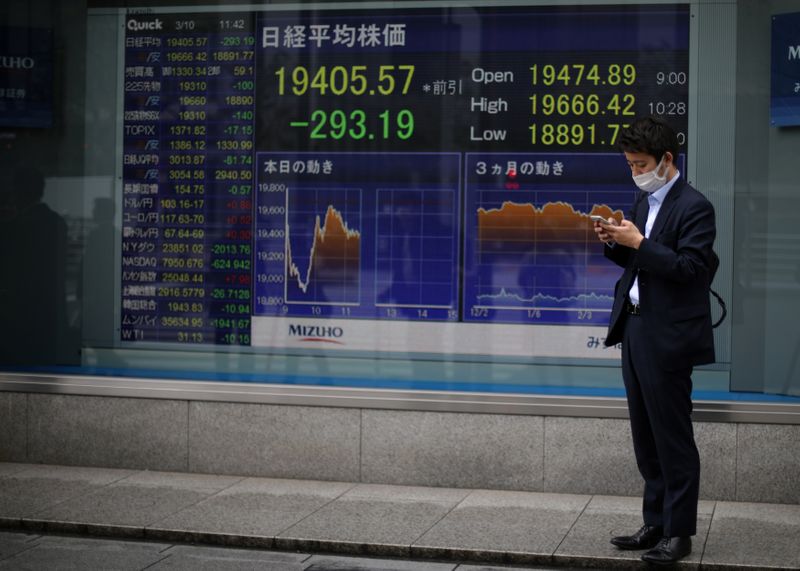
655 200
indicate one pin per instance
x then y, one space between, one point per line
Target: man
662 316
33 245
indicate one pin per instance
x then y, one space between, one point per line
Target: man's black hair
650 135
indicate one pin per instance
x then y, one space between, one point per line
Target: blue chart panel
323 258
416 247
357 235
531 255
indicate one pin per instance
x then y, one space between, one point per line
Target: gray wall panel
452 449
743 462
716 443
768 463
590 456
595 456
13 427
274 441
107 431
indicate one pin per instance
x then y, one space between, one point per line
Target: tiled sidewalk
444 524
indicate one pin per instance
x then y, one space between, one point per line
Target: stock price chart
386 166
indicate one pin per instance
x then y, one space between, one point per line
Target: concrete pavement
427 528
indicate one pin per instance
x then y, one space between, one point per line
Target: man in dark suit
662 316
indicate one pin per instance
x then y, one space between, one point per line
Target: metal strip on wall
441 401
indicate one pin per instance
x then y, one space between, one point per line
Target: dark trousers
660 406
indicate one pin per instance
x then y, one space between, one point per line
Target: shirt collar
659 195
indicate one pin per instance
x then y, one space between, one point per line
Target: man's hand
625 233
602 232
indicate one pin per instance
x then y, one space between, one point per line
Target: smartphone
599 219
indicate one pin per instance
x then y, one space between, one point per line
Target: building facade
351 240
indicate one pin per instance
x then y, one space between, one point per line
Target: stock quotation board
414 180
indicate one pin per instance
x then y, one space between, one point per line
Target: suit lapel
666 208
642 208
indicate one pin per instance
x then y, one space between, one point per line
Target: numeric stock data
296 168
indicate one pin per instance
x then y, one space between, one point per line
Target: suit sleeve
683 253
617 254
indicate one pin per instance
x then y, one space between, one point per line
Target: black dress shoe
669 550
647 537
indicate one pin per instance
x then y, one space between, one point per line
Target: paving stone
12 543
193 558
389 525
30 491
77 554
490 522
180 480
10 468
330 563
485 527
608 516
255 507
378 519
761 535
123 505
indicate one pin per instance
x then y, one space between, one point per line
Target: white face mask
651 181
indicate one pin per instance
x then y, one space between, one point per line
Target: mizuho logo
137 26
316 332
16 62
794 52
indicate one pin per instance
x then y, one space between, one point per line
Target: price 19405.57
342 80
357 125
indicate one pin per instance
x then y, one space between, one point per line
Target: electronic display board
414 180
785 70
26 77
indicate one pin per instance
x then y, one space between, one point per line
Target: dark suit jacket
673 265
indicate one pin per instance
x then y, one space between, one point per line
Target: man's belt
632 308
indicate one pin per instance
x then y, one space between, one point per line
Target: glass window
377 196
